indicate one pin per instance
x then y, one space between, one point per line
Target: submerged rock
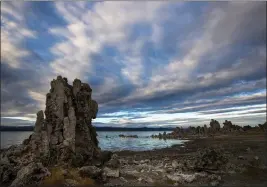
128 136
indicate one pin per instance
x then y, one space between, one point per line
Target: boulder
108 172
114 162
181 178
31 174
175 164
90 171
209 159
105 156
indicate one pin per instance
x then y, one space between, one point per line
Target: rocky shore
63 150
217 161
214 129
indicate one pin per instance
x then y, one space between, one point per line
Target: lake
107 140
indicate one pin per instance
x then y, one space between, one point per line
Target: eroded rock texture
68 125
65 133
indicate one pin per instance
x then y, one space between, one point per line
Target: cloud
148 63
13 32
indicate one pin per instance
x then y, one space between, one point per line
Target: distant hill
16 128
30 128
133 129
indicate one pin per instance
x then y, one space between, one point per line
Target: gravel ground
246 155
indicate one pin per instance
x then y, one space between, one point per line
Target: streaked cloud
149 63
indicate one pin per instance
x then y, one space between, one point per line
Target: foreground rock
203 162
108 172
90 171
65 135
209 159
31 174
113 162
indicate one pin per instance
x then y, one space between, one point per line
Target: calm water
107 140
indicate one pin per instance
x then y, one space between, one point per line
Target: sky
150 64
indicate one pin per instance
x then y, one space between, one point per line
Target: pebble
175 164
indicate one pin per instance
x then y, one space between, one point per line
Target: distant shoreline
30 128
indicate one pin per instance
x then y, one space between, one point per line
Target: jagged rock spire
66 133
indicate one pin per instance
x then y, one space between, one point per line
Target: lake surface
107 140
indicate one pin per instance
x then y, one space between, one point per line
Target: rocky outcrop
214 126
228 127
66 134
263 127
63 133
214 129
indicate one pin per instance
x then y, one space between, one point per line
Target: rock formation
227 125
263 127
65 134
213 129
214 126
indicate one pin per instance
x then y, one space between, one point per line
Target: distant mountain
133 129
30 128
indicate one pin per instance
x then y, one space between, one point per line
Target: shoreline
9 140
238 160
246 160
